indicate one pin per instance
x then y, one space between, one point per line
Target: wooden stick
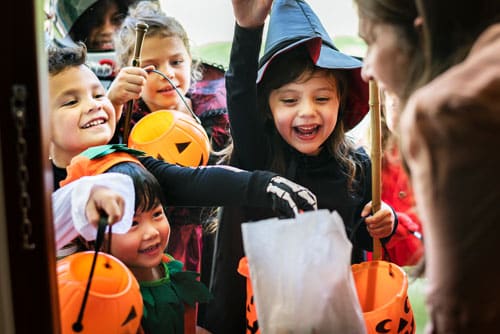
140 30
376 158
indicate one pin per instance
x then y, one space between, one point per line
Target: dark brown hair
450 28
61 58
148 192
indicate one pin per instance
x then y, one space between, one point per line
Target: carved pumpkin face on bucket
252 326
172 136
114 303
382 291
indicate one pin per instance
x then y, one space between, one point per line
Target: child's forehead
80 75
160 43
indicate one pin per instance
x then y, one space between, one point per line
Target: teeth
93 123
148 249
307 128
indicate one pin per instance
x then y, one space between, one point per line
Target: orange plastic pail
172 136
382 291
252 323
114 304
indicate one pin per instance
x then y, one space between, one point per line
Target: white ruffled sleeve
69 202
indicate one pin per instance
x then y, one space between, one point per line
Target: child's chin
101 140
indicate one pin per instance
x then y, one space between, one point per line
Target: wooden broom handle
376 158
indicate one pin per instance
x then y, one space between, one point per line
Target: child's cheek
167 233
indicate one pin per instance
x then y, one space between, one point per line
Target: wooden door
28 299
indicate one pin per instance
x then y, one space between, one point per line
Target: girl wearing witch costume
169 294
289 114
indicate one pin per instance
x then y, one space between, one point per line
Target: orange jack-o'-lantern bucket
114 302
251 313
172 136
382 291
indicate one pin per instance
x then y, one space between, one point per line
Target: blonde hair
159 25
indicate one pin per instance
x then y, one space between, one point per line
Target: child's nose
93 105
168 71
306 108
108 26
150 232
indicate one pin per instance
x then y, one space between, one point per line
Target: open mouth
306 131
150 249
94 122
105 45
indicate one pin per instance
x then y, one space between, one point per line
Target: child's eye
69 103
117 19
99 96
135 223
177 62
158 213
289 101
323 99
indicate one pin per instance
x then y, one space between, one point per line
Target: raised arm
246 123
251 13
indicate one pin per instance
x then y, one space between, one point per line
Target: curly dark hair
61 58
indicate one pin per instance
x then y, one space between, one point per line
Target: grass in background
218 53
416 296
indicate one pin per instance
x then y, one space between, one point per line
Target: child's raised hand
128 85
381 224
251 13
103 199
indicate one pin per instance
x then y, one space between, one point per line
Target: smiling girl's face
170 56
305 111
141 249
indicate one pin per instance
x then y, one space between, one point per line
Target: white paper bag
301 275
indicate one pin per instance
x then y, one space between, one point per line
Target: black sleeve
241 88
396 223
211 185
